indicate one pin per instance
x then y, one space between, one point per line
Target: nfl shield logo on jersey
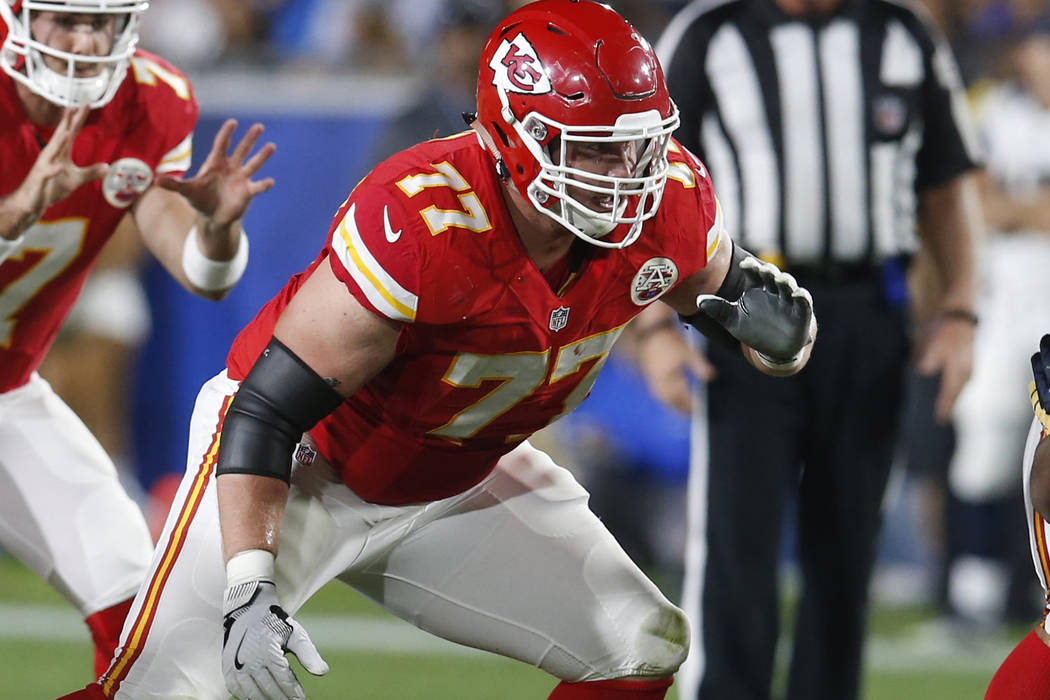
559 317
127 179
305 455
889 115
654 278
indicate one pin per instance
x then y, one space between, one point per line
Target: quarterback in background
1025 673
92 130
371 424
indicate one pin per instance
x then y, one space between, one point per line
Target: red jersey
488 352
145 130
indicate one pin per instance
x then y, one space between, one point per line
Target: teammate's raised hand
223 187
54 175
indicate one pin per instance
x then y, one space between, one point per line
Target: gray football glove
258 633
773 315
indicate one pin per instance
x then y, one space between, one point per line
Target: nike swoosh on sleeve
391 235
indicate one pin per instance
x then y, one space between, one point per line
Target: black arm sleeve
732 288
279 400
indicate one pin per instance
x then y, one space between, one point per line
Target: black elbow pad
279 400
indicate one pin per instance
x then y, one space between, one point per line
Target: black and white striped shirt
818 133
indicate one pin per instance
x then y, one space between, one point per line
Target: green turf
46 669
928 686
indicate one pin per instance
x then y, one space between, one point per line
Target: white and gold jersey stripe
381 289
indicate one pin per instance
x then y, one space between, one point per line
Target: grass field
44 653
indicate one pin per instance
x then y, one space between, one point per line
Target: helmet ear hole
502 134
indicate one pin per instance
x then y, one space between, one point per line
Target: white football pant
62 509
517 565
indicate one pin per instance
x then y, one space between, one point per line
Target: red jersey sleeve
690 211
171 110
375 251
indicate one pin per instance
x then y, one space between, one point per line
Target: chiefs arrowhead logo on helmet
516 67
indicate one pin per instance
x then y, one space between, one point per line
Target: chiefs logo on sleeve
127 179
372 267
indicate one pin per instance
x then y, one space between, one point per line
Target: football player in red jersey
1025 673
92 130
373 418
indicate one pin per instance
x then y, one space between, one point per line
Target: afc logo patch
127 179
654 278
559 318
517 67
305 454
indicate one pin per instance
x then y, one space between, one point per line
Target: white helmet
22 57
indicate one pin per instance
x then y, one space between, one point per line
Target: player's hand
258 632
54 176
949 352
774 315
1040 389
669 362
223 187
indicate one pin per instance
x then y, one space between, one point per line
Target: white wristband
250 565
8 246
213 275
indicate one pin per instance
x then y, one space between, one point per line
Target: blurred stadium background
338 85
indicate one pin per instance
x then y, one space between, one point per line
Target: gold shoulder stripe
714 235
380 288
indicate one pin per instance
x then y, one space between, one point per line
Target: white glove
258 633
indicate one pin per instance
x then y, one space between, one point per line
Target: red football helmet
22 56
562 71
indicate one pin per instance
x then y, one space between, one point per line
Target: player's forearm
250 512
951 225
17 215
199 258
216 241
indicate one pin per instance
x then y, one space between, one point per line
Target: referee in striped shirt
837 139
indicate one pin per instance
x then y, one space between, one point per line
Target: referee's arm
950 220
950 224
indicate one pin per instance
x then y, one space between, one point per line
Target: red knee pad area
1024 674
612 690
105 632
